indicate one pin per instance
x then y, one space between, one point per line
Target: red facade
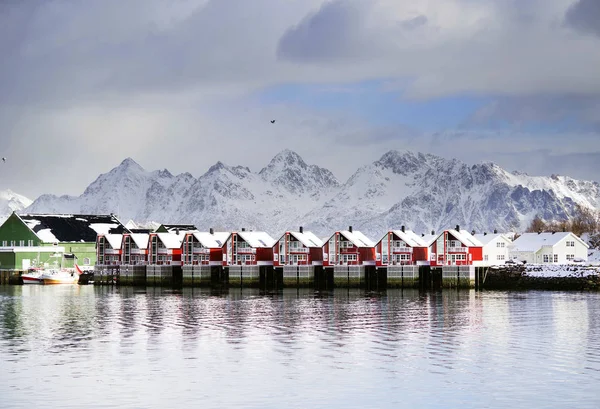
339 250
107 254
393 250
452 249
163 249
289 250
194 252
132 253
249 248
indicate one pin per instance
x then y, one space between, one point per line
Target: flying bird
3 159
272 121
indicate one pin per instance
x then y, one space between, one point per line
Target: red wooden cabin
348 247
298 248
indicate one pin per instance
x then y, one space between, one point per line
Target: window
500 257
486 258
86 261
30 243
570 257
12 243
22 243
556 258
500 244
570 244
4 243
546 258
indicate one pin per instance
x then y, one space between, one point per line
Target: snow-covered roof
357 238
485 239
171 240
140 240
257 239
307 238
51 228
535 241
211 241
114 240
410 237
465 238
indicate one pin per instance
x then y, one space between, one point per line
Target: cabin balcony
402 249
163 251
112 251
303 250
246 250
457 250
137 251
201 250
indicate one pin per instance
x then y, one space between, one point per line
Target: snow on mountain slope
11 202
421 191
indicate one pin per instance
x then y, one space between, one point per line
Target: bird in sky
3 159
272 121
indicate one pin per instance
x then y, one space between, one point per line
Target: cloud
85 84
584 15
335 32
573 111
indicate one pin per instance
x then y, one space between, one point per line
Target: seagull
3 159
272 121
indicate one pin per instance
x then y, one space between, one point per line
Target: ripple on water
125 347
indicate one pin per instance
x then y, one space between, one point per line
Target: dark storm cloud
584 15
333 33
62 50
414 23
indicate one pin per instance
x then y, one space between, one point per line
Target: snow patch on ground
565 270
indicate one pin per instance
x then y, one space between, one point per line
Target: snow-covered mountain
11 202
421 191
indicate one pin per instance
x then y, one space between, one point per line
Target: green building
46 240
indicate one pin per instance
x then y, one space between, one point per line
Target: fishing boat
32 276
62 276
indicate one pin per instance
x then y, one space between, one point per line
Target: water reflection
298 347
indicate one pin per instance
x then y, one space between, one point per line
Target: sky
182 84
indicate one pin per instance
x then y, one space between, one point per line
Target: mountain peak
288 156
129 163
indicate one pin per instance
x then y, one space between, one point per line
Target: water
106 347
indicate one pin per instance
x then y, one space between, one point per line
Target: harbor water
128 347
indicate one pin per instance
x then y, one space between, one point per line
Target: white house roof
257 239
307 238
171 240
410 237
465 238
114 240
140 240
485 239
535 241
357 238
211 241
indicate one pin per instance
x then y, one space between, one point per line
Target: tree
536 225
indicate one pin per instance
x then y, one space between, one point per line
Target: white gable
308 239
211 241
140 240
257 239
357 238
171 240
114 240
465 238
410 238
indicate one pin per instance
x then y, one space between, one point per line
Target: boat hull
31 280
61 280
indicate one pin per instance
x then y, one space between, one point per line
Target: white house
549 248
495 247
